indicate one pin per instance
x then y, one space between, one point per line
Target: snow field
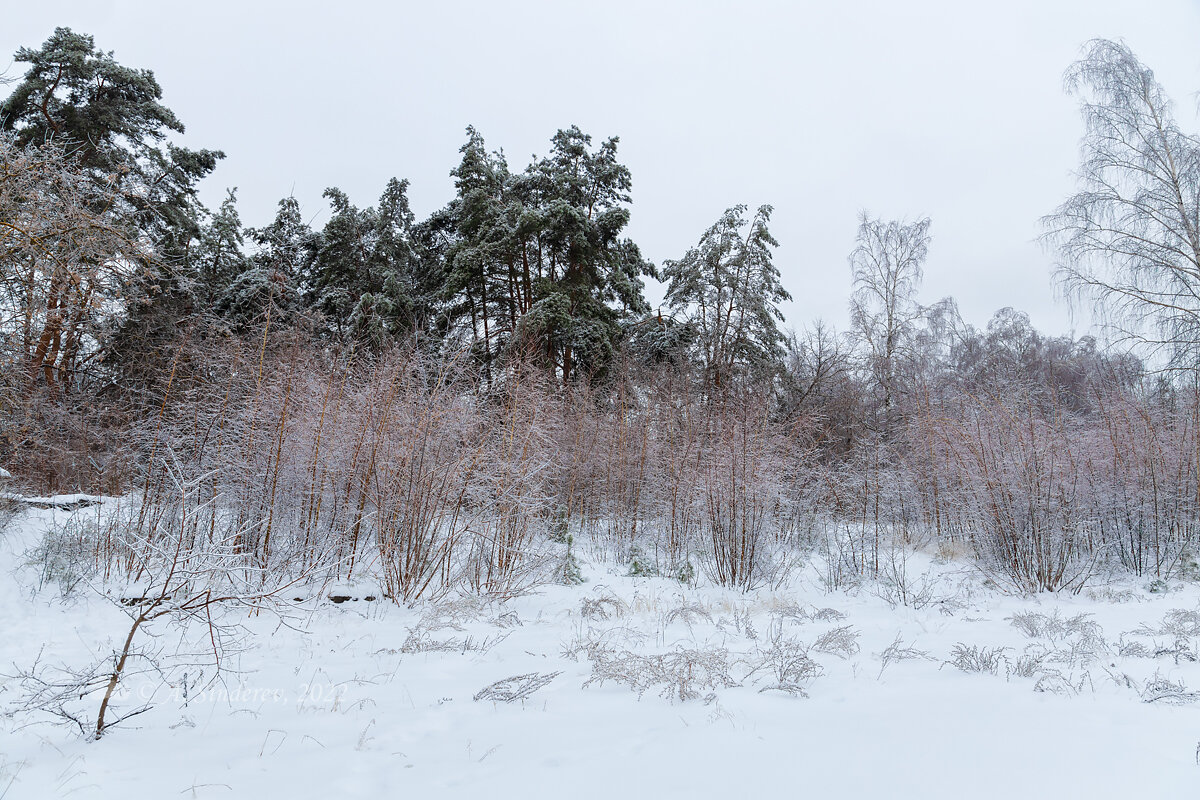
787 692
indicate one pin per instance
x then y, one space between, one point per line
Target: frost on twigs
977 658
1176 622
679 674
604 606
785 661
897 651
1159 689
688 613
841 642
517 687
1053 626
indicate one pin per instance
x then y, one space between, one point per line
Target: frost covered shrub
1142 473
1054 626
739 493
511 499
897 651
898 588
976 658
683 673
391 468
841 641
785 661
1180 622
515 688
1044 494
66 555
1015 487
604 605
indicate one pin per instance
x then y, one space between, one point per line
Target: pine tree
110 118
365 274
534 262
589 278
219 256
481 260
268 291
729 290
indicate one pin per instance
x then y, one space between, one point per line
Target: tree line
143 336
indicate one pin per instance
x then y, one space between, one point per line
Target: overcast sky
904 109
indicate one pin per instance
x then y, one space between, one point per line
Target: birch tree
887 265
1129 239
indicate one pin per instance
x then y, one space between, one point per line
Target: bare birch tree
1129 239
887 266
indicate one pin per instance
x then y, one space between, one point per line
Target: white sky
949 109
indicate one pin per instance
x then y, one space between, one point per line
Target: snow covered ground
788 692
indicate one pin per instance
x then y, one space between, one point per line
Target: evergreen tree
111 119
535 263
269 289
219 256
728 289
365 274
481 260
110 116
588 277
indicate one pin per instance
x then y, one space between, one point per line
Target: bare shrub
516 687
174 574
1088 639
1015 473
785 661
1035 625
898 588
66 257
977 658
1159 689
736 491
1133 649
1143 482
419 463
897 651
64 556
841 641
1179 650
420 639
688 613
590 641
392 465
680 674
604 605
1053 681
1180 622
513 497
453 613
826 615
1031 662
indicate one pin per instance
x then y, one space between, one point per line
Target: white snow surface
337 705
